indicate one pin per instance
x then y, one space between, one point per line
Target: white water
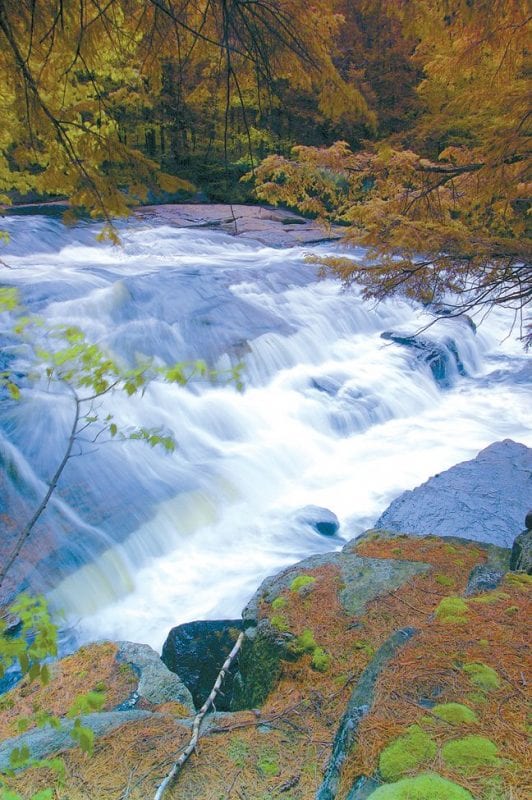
332 415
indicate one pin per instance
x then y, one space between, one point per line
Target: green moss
279 622
477 698
366 647
445 580
511 610
452 611
489 597
320 660
482 676
422 787
484 642
300 581
306 642
455 713
267 765
468 754
519 579
397 551
450 548
406 753
279 603
238 751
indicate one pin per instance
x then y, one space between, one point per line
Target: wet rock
157 684
196 651
273 227
483 579
483 499
321 519
441 356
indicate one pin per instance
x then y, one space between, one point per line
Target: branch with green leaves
29 647
87 374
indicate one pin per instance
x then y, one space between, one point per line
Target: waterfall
137 540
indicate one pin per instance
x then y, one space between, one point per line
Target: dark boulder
321 519
484 499
521 558
260 664
196 652
442 357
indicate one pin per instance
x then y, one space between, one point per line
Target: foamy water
331 415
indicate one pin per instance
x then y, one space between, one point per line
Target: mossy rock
301 581
259 664
362 580
452 611
482 676
280 622
406 753
320 660
423 787
305 643
455 713
469 754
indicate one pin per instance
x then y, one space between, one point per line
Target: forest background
407 121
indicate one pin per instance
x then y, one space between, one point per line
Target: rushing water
332 415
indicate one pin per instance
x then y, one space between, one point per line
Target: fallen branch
198 720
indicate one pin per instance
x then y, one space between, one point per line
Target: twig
231 785
198 720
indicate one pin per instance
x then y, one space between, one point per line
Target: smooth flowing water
332 415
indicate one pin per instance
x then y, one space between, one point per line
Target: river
331 415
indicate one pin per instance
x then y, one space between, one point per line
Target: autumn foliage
405 120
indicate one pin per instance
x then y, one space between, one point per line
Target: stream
331 415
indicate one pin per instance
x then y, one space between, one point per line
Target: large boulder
196 651
484 499
265 647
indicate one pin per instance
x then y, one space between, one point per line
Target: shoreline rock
484 499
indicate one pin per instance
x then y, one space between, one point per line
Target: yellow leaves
171 183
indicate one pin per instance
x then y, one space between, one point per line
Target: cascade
137 540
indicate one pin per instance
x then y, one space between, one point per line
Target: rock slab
484 499
359 704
